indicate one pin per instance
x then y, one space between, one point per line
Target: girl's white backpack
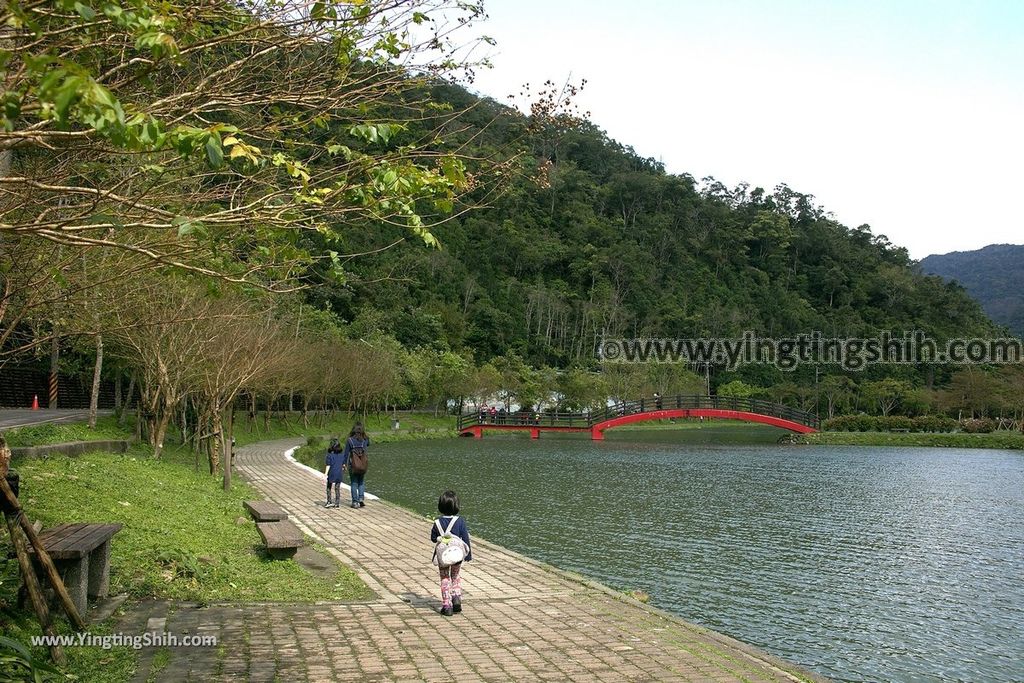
450 549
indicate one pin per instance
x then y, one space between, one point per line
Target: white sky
901 114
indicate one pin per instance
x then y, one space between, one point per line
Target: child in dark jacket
451 581
333 467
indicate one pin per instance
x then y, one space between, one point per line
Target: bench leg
76 580
99 571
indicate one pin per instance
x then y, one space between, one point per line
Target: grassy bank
998 440
55 432
412 426
184 538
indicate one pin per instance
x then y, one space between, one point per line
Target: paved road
521 620
22 417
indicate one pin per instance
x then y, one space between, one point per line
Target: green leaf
66 95
84 11
214 152
185 227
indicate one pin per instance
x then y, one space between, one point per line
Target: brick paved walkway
521 621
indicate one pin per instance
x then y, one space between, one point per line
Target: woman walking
355 458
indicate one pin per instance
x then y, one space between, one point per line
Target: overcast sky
901 114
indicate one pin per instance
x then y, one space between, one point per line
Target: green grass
161 658
89 664
339 424
180 541
53 432
998 440
180 538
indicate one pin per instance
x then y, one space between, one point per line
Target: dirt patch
316 562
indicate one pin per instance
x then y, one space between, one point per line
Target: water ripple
861 564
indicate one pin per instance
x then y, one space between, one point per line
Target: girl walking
333 468
449 533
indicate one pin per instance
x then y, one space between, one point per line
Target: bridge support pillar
596 434
534 433
478 432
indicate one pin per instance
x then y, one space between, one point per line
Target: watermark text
786 353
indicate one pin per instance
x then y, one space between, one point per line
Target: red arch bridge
644 409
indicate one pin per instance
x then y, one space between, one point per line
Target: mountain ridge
993 275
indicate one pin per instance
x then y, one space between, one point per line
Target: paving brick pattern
521 620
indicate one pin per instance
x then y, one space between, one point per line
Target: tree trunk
159 431
138 421
216 440
127 400
184 423
117 392
54 361
94 399
229 451
5 456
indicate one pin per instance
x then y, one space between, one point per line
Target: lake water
862 564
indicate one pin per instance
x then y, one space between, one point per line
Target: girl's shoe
456 603
446 611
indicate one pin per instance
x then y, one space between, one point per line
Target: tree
231 143
885 394
974 390
838 391
484 382
582 390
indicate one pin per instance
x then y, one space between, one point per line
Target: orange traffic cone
35 402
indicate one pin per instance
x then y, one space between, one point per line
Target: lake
862 564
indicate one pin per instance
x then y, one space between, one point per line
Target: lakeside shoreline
994 440
715 643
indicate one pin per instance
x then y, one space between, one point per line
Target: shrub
872 423
892 423
851 423
982 425
934 423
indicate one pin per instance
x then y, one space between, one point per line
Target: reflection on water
862 564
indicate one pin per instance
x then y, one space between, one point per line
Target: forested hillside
300 221
993 275
593 239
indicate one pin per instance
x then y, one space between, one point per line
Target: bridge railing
526 419
642 405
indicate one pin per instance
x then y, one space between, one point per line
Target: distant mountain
993 275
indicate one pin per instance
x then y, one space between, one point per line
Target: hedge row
891 423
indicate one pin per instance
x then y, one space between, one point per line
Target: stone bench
265 511
282 538
81 553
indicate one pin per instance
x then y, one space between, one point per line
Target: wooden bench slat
64 545
283 534
98 535
74 541
83 535
265 510
57 533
